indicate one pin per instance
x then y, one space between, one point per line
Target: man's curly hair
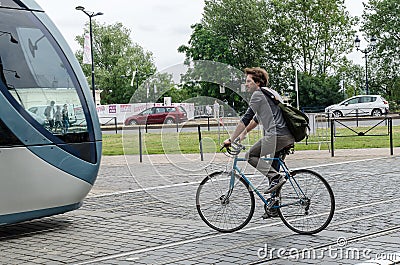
259 75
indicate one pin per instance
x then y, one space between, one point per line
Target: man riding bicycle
276 134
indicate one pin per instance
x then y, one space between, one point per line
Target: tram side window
36 74
35 81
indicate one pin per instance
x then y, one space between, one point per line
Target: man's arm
253 124
240 128
245 125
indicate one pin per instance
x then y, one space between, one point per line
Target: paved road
144 213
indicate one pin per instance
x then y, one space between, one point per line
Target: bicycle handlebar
235 148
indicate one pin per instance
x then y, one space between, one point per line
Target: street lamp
90 15
366 51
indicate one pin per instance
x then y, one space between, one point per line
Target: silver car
373 105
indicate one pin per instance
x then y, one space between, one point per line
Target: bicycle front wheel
223 207
307 203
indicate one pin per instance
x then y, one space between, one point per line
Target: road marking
217 234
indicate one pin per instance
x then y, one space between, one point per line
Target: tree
116 57
313 35
382 19
155 88
231 33
279 35
318 91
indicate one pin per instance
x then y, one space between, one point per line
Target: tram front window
37 75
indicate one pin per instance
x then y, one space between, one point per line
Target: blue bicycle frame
281 164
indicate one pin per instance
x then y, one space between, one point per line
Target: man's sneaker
270 213
275 184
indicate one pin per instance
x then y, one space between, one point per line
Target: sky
159 26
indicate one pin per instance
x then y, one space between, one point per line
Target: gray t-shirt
268 113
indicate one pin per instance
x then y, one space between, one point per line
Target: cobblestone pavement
144 213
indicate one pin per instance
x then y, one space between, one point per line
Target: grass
188 142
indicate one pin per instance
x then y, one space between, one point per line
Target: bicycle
305 203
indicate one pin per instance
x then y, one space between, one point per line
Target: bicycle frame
281 164
305 210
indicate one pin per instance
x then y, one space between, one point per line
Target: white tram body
48 164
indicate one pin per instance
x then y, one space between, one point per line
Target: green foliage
155 88
232 33
318 91
279 35
312 36
382 19
116 57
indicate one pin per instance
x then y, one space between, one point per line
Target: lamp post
366 51
91 15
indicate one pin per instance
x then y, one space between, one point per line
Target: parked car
374 105
39 119
158 115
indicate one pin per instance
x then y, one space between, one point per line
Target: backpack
296 120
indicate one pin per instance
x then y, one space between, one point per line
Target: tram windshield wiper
33 47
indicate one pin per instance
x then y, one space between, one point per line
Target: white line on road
215 235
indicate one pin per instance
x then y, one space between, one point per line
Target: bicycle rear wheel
307 203
222 208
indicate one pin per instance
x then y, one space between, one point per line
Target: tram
48 164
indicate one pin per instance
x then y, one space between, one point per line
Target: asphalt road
144 213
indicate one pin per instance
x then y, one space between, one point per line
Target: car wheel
133 122
169 121
376 112
337 114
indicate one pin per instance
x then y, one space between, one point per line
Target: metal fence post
140 145
356 117
332 139
391 135
200 143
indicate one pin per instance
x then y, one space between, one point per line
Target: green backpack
296 121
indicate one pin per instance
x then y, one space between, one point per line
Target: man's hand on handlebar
233 148
227 143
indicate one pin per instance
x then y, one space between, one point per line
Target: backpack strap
270 95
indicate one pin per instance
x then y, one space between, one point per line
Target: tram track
252 242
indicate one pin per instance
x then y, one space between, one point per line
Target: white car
373 105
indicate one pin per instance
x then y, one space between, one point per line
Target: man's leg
265 146
51 124
277 180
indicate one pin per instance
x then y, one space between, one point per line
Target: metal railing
361 133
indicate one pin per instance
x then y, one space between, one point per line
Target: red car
158 115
